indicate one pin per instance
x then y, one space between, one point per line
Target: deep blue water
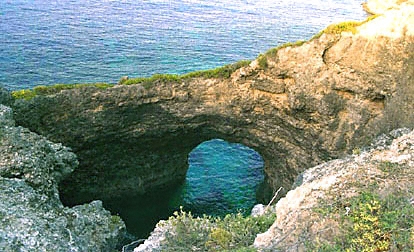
45 42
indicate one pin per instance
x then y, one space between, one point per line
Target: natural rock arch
311 103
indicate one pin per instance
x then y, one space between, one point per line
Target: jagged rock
297 223
26 155
32 216
6 116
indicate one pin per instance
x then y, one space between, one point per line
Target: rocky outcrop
306 105
298 221
32 216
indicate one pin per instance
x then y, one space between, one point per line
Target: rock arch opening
131 141
222 178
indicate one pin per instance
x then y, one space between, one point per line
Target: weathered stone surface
32 218
312 103
28 156
298 223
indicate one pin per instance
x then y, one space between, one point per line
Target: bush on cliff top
331 29
234 232
346 26
371 224
374 219
220 72
28 94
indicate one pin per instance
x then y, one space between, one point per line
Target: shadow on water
222 178
141 213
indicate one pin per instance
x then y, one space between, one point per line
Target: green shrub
272 52
234 232
28 94
220 72
25 94
262 61
148 82
373 224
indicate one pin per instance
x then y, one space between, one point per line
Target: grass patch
223 72
28 94
148 82
390 168
371 224
346 26
262 61
234 232
272 52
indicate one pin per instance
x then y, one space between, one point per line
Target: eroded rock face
311 103
32 216
298 221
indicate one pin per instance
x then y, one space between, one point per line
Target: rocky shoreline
298 106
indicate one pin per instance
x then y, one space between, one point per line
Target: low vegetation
346 26
373 220
272 52
220 72
234 232
28 94
372 224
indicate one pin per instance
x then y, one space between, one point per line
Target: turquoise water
45 42
222 178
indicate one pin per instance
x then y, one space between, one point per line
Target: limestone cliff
32 218
314 214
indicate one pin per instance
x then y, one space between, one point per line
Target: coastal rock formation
32 216
312 213
387 168
297 106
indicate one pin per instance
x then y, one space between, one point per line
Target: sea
45 42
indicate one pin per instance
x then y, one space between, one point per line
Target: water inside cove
222 178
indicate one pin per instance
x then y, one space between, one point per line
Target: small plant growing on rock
372 224
234 232
28 94
262 61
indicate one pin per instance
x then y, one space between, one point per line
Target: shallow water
47 42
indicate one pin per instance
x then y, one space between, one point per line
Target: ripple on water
46 42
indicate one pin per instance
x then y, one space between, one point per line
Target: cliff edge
32 218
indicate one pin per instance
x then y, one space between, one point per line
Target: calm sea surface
45 42
67 41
